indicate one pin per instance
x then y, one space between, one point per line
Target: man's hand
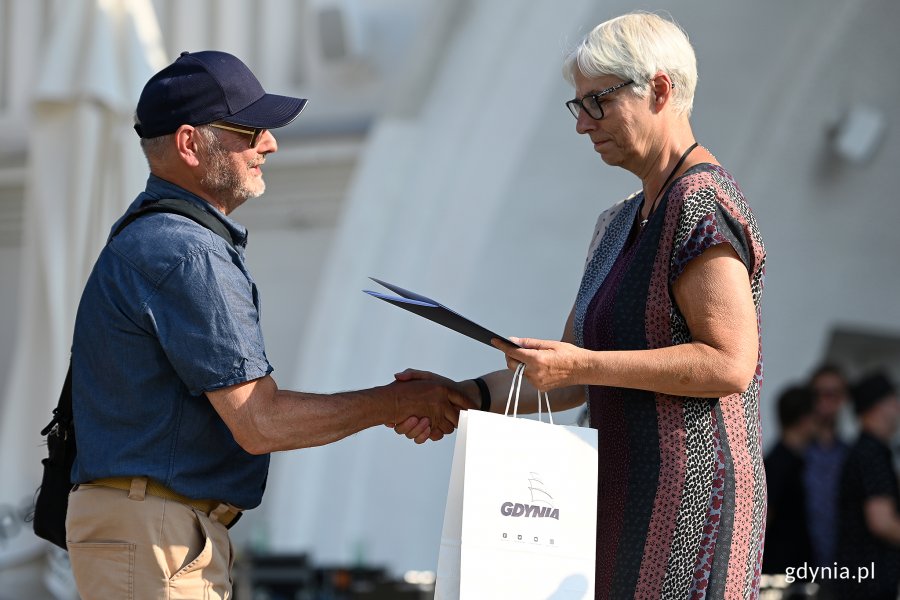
421 427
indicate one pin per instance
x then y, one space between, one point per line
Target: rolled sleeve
206 317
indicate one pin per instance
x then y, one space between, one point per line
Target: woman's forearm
499 383
693 369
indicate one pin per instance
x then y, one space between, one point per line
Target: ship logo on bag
540 506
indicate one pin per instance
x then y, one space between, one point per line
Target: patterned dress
681 498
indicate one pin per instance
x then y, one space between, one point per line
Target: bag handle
516 385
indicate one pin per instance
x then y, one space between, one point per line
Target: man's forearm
264 419
302 420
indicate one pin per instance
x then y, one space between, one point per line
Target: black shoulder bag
52 498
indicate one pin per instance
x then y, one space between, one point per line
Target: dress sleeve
712 215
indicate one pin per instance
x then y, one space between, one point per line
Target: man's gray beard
223 180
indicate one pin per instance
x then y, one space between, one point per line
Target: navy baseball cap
204 87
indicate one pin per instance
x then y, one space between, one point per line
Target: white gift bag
521 513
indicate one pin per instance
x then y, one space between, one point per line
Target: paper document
437 312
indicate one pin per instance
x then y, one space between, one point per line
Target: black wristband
485 392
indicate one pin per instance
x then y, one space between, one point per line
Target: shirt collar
158 188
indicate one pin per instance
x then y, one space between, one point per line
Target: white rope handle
547 400
516 385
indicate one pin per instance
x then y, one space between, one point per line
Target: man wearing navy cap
869 497
175 408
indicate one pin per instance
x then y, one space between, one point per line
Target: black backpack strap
52 498
62 414
184 208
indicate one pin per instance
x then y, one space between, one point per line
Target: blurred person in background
869 497
663 339
824 459
787 535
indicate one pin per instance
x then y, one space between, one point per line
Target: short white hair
159 149
636 46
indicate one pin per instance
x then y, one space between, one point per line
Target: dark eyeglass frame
254 133
575 105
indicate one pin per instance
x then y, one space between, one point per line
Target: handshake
428 405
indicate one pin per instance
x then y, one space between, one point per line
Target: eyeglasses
254 133
591 102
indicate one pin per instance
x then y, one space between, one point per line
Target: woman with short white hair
663 341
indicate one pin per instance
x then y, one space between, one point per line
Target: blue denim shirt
168 313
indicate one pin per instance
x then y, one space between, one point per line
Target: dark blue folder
437 312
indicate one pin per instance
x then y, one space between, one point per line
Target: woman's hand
548 364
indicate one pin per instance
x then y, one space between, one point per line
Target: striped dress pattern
681 497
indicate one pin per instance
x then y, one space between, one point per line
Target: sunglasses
254 133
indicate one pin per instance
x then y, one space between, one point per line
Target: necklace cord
666 182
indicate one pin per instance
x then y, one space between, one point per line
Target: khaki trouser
133 546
